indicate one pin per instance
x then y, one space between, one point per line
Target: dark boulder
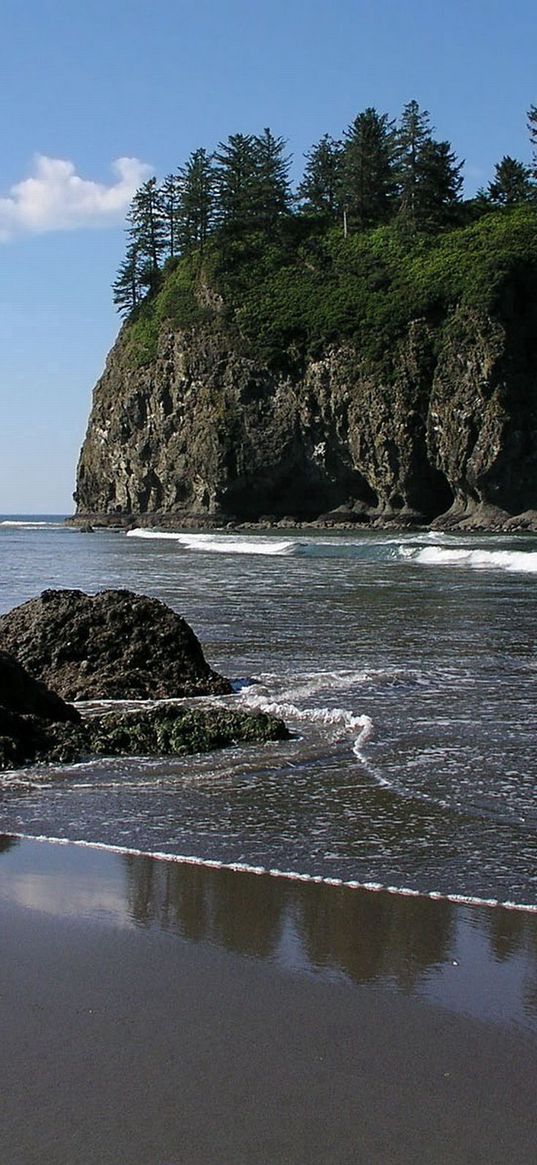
21 693
112 645
29 711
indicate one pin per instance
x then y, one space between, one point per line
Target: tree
236 182
169 204
196 204
532 126
271 189
147 231
126 286
319 189
511 184
367 178
439 183
413 132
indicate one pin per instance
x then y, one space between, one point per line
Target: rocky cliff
442 428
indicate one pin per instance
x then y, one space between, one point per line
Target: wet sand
156 1014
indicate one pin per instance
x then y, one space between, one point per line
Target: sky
97 97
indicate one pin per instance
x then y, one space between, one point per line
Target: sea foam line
273 872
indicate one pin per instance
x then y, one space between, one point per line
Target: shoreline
239 867
154 1012
484 519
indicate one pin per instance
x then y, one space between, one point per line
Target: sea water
403 663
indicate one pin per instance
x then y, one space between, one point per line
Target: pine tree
126 286
147 231
511 184
367 178
413 132
196 201
271 189
236 182
532 126
319 188
169 204
439 184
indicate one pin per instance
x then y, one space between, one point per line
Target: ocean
404 664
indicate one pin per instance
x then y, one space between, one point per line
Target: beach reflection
482 960
476 960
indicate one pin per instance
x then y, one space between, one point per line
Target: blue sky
85 86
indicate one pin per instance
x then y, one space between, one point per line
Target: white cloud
56 198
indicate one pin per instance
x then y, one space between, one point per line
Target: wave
339 718
27 524
431 548
524 561
379 548
221 543
288 875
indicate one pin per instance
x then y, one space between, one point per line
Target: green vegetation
167 730
286 300
377 235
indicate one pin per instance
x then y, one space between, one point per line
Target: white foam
27 525
524 561
331 717
287 875
221 543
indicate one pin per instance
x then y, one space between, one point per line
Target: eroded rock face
450 429
113 645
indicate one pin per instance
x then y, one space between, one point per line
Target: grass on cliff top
288 298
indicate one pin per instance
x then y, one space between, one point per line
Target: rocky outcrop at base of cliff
112 645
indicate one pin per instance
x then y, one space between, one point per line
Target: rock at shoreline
37 725
28 711
21 693
112 645
165 730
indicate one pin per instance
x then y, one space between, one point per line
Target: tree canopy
382 171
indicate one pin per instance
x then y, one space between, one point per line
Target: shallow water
404 664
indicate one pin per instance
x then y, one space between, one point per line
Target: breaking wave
341 719
221 543
419 549
477 559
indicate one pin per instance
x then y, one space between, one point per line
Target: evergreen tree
413 133
367 178
126 286
532 126
169 205
237 182
147 231
319 189
511 184
271 188
196 203
439 183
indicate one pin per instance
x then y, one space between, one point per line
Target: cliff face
450 428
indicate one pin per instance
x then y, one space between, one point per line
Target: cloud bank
56 198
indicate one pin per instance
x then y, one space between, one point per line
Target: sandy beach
160 1014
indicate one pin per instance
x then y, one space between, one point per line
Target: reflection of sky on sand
49 894
59 885
477 961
